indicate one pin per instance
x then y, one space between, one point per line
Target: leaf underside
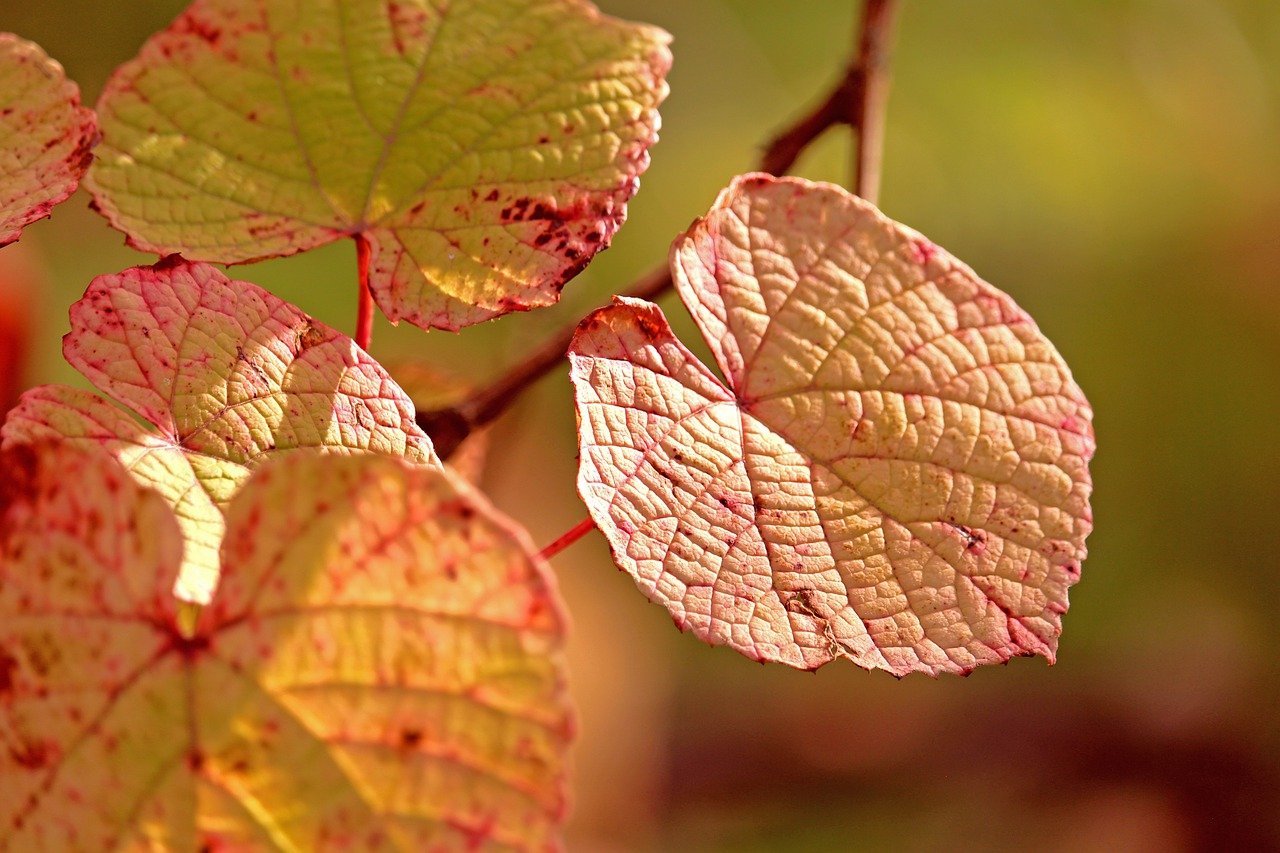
225 374
894 471
46 137
381 668
485 149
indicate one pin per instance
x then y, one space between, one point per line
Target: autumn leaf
484 149
381 668
45 135
224 373
894 470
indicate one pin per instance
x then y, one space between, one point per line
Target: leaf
895 471
381 668
485 149
45 135
225 373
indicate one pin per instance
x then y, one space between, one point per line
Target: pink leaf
895 470
225 373
45 135
381 668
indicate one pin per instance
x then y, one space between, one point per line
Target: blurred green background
1115 165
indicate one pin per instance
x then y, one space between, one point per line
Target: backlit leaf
45 135
486 149
380 669
895 470
225 373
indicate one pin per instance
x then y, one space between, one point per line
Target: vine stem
582 528
858 99
364 299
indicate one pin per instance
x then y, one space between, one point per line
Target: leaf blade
927 518
305 713
483 179
45 134
227 374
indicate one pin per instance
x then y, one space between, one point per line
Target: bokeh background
1115 165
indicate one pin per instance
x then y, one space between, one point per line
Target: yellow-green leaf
45 135
381 667
894 471
485 149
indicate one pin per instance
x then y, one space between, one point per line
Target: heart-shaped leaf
225 373
484 149
45 135
896 470
381 667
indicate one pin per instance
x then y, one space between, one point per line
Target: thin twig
784 149
866 111
364 299
858 99
450 427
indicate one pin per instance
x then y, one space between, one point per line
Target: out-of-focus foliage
1111 165
339 693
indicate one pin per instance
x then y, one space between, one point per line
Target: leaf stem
858 99
582 528
364 303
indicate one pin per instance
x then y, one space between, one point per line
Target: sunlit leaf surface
893 470
486 149
45 135
381 667
224 373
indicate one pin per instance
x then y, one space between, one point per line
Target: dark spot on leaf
18 482
975 540
8 666
409 738
33 756
168 262
188 647
189 24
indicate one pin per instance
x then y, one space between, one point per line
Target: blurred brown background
1116 167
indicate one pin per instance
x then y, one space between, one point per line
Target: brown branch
866 110
858 100
449 427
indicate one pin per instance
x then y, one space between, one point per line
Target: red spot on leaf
923 250
8 666
33 755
